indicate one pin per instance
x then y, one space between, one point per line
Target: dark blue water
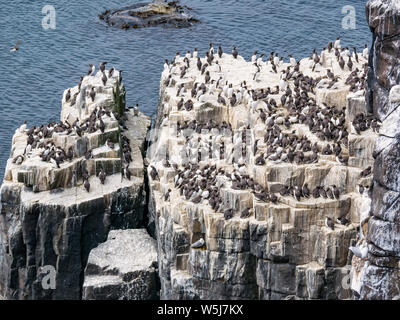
33 79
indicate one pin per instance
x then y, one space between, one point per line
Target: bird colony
89 147
269 144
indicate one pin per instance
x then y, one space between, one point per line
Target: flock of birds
280 110
40 139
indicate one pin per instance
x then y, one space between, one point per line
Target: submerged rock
149 14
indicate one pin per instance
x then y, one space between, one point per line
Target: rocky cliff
379 274
254 173
67 185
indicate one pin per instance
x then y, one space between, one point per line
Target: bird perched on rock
86 184
110 144
360 251
198 244
166 196
103 66
68 95
128 172
102 176
92 94
228 214
343 221
104 79
246 213
235 52
154 173
366 172
91 70
329 223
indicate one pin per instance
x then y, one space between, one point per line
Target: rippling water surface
33 79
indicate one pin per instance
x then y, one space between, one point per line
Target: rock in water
151 14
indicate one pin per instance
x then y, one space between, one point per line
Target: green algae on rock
149 14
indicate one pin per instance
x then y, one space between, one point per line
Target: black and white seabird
102 176
366 172
154 173
329 223
198 244
86 184
235 52
68 95
104 79
92 94
16 47
103 66
91 70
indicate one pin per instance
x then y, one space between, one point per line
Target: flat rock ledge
47 216
276 250
122 268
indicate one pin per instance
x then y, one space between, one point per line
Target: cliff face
123 268
47 215
380 274
226 227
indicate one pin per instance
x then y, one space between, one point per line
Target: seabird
234 52
198 244
110 144
104 79
154 173
343 221
92 94
335 192
366 172
68 95
103 66
228 214
337 43
166 196
86 184
102 176
246 213
127 172
329 223
91 70
360 251
15 48
220 52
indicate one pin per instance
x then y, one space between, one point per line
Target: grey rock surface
378 276
280 250
122 268
47 218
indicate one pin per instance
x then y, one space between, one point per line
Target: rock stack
67 184
259 174
377 276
